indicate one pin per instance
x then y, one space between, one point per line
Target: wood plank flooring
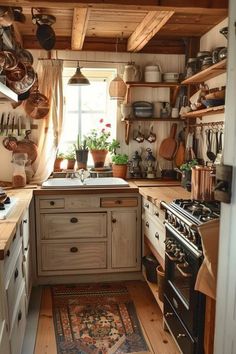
147 309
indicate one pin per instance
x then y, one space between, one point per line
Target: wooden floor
147 309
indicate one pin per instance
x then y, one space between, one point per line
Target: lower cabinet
15 287
88 234
4 340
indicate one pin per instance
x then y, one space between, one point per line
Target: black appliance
184 308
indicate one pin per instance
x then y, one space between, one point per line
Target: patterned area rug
96 319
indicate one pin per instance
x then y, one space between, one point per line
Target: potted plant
70 157
119 166
57 164
81 151
99 144
186 170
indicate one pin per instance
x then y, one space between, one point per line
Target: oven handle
170 257
186 275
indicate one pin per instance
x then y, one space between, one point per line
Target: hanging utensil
7 125
152 136
2 124
210 154
140 137
190 155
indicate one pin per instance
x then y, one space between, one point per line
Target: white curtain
49 132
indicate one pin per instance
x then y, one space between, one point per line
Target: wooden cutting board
158 194
180 154
168 146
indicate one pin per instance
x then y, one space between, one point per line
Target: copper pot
25 83
16 74
11 60
203 183
6 16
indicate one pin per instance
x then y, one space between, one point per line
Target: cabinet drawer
25 229
147 206
18 330
54 203
82 202
118 202
14 284
72 256
73 225
9 257
158 213
27 269
156 235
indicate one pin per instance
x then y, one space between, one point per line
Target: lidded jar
19 175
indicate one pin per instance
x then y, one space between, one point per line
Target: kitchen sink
87 183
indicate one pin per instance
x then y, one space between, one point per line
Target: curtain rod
87 61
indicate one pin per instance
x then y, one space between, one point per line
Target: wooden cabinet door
124 239
4 341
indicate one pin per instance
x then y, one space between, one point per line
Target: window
86 105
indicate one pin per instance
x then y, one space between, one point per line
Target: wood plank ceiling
160 26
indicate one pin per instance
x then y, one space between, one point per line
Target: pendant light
78 79
117 87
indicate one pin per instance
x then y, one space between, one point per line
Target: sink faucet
81 175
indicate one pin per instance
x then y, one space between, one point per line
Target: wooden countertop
158 194
8 226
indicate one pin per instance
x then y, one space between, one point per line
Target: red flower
108 125
101 120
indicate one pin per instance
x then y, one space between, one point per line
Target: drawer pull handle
147 224
157 214
19 316
157 235
118 202
25 221
146 205
113 220
169 314
16 274
74 220
181 335
8 253
52 202
74 249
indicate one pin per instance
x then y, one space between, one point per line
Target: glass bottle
19 176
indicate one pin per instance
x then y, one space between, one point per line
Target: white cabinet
15 287
77 234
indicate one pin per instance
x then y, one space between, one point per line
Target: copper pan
37 105
10 60
16 74
25 83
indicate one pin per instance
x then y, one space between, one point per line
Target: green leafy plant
188 165
80 144
120 159
60 155
70 154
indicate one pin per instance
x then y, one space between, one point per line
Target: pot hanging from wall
45 33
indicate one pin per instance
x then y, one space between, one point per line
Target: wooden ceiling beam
148 5
159 46
79 27
150 25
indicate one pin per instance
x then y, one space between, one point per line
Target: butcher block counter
164 193
8 226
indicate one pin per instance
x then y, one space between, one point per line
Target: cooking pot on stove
202 183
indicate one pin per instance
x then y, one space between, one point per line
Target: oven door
180 279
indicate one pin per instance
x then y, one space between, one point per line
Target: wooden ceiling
154 26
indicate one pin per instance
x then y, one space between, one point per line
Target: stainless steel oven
184 308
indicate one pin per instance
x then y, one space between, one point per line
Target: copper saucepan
23 85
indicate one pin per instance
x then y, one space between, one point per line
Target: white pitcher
132 72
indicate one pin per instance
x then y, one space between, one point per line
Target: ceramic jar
132 73
152 73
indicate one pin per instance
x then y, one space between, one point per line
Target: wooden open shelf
207 74
205 112
154 289
152 84
129 121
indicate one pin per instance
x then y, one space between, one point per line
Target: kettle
132 72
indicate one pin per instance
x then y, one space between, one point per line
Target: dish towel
207 275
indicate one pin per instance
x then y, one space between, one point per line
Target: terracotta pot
99 157
119 171
70 164
57 164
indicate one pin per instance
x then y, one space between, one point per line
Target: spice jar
19 176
